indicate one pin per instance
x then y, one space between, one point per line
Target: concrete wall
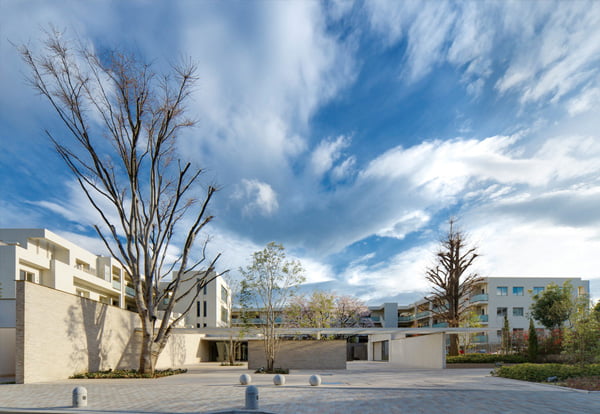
7 352
59 334
301 355
422 352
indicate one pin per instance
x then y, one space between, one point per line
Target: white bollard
79 397
245 379
314 380
279 379
251 398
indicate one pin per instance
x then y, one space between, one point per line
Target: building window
197 325
224 314
205 289
205 306
224 294
28 276
517 290
502 291
204 325
501 312
499 333
198 314
518 312
537 290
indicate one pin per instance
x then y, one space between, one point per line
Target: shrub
541 372
262 370
485 359
124 373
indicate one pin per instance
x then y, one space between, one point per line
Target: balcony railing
406 318
375 318
424 314
479 339
116 285
87 269
129 291
440 325
479 298
483 318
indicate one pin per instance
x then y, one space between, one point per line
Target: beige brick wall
59 334
301 355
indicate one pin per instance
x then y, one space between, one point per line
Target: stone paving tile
364 388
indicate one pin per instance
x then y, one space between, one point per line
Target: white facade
492 298
212 306
42 257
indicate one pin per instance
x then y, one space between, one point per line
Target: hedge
485 359
541 372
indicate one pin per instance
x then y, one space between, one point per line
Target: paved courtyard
366 387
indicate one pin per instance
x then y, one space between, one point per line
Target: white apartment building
41 256
213 304
491 300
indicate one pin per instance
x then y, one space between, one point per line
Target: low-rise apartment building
212 306
42 257
491 299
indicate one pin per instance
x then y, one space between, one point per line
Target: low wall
7 352
423 352
59 334
307 354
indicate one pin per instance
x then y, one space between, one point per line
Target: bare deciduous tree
124 120
452 285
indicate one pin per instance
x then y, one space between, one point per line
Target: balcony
479 298
440 325
116 285
479 339
375 318
483 318
129 291
424 314
406 318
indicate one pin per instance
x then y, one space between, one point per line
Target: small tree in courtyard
122 124
506 337
270 280
532 342
452 283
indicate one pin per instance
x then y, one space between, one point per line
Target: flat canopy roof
222 332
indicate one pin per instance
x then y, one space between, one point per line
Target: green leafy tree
553 307
506 337
451 281
532 342
270 280
469 319
596 311
582 340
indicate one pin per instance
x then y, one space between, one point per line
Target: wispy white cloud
258 197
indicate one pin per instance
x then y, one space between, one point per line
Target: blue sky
350 131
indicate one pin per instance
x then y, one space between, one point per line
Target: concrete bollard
314 380
279 379
251 398
79 397
245 379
